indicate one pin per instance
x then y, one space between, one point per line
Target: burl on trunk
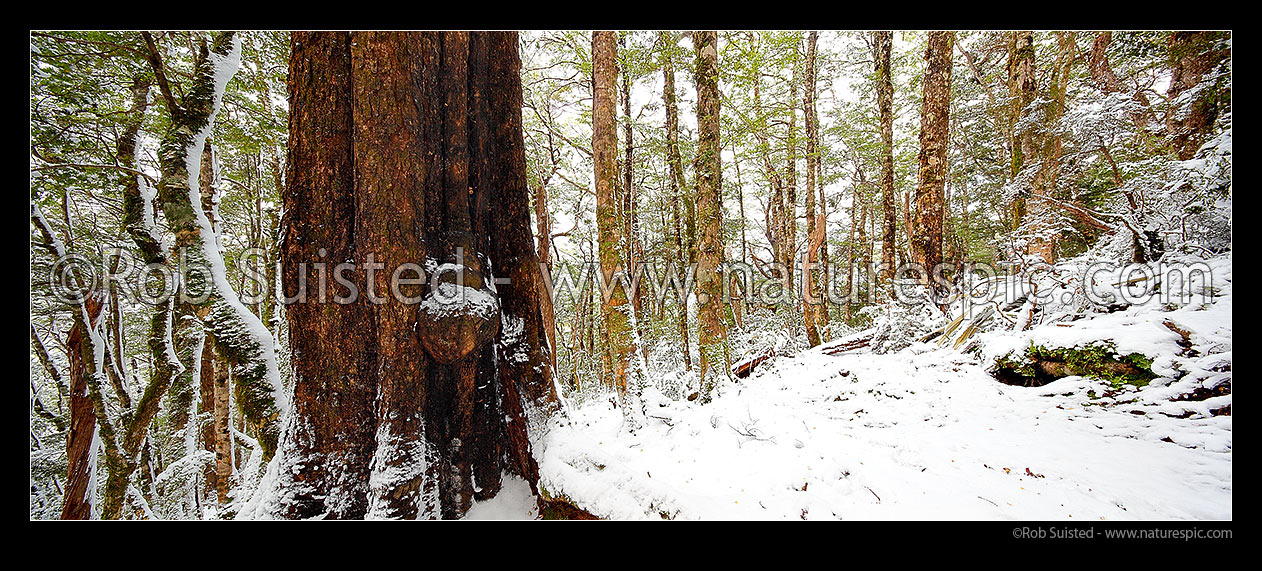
412 400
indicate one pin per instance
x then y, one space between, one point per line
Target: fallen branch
744 369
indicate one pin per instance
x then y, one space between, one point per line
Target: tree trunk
885 104
240 335
543 249
406 149
615 306
926 245
1022 91
79 497
812 300
1195 55
206 405
712 332
222 424
1042 217
790 172
634 248
684 242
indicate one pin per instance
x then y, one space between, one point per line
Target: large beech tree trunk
926 243
406 148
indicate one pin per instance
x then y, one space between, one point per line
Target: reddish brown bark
77 496
407 147
1194 56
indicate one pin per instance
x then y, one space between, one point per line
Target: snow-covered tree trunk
239 334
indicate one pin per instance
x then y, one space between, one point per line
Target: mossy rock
1041 365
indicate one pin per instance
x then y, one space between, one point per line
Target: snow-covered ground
925 433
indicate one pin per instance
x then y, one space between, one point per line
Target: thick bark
712 331
926 246
1195 55
406 148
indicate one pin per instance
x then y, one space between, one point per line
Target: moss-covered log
1040 365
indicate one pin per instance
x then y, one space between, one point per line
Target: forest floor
925 433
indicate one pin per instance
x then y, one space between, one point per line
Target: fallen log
745 368
851 343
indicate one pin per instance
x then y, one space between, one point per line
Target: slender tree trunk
1022 89
635 248
685 249
615 308
206 405
885 103
222 426
79 497
812 304
1042 216
544 250
712 332
790 171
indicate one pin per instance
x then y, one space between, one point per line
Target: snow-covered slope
925 433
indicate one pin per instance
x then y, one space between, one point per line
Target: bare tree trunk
615 308
206 405
790 171
544 251
635 248
885 103
684 243
712 331
1041 213
812 304
1022 90
926 245
222 425
79 498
